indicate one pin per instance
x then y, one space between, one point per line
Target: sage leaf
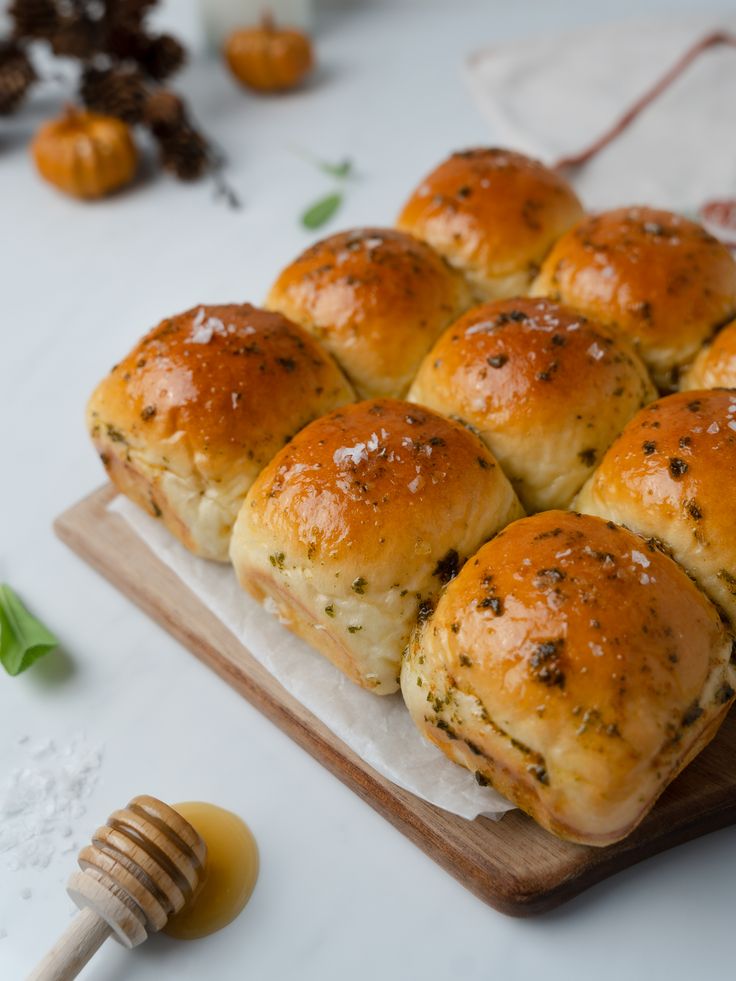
342 169
23 638
321 211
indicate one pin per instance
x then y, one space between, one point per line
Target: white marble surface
341 894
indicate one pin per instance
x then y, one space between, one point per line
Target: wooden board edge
416 819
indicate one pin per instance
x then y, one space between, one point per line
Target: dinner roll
377 299
352 530
672 475
573 667
715 365
655 276
188 419
547 390
494 215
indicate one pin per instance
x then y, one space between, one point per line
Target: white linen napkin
379 730
553 96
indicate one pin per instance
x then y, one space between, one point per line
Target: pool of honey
230 874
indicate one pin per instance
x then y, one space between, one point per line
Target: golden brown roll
377 299
658 278
546 389
715 365
352 530
574 668
672 475
494 215
188 419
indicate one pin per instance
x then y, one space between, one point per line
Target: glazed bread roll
546 389
574 668
492 214
658 278
187 420
672 475
377 299
715 365
351 531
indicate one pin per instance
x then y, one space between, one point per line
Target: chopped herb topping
692 714
539 771
425 610
678 467
494 603
358 585
277 560
447 567
545 663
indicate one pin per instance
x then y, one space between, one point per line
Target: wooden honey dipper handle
142 867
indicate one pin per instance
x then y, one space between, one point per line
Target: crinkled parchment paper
379 730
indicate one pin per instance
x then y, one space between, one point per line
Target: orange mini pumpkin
268 58
85 154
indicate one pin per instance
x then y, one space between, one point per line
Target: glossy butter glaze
672 475
547 389
660 279
494 214
574 667
376 298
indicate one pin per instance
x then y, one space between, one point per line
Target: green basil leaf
23 639
321 211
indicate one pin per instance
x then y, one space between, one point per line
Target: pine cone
117 92
34 18
161 57
16 76
185 153
129 14
77 36
164 112
126 40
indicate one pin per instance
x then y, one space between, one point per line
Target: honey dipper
141 868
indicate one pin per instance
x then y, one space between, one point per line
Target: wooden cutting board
512 864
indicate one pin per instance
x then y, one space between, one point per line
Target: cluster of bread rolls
366 448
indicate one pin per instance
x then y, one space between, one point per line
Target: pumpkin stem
267 20
72 115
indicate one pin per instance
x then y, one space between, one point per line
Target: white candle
222 16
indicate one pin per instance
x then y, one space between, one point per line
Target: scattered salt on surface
713 428
352 453
483 327
203 330
43 798
640 558
596 352
732 424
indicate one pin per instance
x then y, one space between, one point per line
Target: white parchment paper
379 730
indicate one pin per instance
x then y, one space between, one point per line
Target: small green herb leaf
321 211
23 639
342 169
